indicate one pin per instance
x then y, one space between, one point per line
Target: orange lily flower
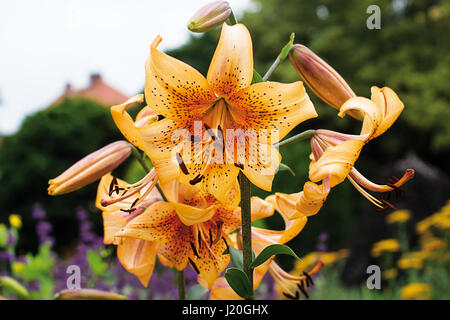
137 256
334 154
191 227
225 123
291 285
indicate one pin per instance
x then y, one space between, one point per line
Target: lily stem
246 219
138 156
181 285
305 135
272 68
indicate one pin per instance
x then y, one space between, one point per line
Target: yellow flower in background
439 220
17 267
399 216
387 245
412 260
432 244
15 221
390 274
416 291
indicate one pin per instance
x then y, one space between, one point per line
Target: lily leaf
285 167
285 51
270 251
239 282
197 292
237 257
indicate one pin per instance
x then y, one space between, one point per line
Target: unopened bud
88 294
209 16
90 168
321 78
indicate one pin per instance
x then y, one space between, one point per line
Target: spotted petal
173 88
231 68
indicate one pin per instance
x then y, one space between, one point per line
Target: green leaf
270 251
96 263
13 286
239 282
256 77
285 167
197 292
285 51
237 257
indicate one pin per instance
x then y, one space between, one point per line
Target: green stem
272 68
181 285
305 135
246 218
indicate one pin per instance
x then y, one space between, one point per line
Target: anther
239 165
194 249
301 286
196 180
193 265
181 164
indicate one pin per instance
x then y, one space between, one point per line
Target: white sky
45 44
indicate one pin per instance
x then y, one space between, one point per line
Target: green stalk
272 68
246 219
305 135
181 285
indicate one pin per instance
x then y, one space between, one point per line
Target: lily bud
90 168
321 78
88 294
209 16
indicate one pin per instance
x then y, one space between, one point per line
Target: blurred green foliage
48 143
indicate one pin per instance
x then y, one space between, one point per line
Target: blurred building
97 90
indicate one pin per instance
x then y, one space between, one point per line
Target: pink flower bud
209 16
321 78
90 168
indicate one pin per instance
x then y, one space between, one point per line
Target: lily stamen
149 180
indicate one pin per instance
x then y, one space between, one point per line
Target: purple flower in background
11 239
5 256
322 242
38 212
43 230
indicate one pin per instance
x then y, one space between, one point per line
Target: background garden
41 235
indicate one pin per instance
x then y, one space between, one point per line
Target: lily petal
312 198
389 104
173 88
261 208
272 106
190 215
126 124
262 160
336 162
372 114
138 257
231 68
